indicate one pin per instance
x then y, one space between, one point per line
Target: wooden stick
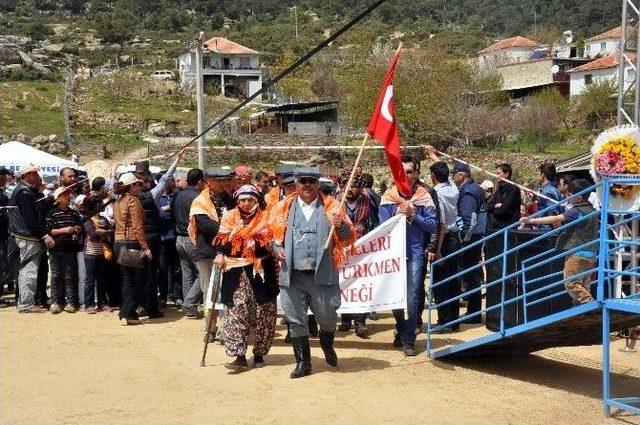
83 179
343 201
525 188
212 310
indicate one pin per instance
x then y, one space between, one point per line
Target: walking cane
215 277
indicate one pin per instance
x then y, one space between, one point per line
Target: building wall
595 48
526 74
316 127
517 54
187 73
578 81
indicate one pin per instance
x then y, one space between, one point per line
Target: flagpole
343 201
525 188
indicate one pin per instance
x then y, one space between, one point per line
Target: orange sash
201 205
280 213
272 197
421 197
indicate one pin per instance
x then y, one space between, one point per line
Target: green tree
595 106
117 26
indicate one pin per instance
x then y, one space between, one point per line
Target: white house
605 44
510 50
598 71
232 67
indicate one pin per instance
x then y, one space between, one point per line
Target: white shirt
307 209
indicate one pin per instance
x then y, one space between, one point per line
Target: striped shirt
58 219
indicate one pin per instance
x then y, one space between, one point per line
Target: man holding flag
406 197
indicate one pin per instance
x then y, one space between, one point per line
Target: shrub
37 30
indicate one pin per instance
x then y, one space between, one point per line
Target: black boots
303 356
313 326
326 342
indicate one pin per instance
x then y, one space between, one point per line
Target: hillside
120 109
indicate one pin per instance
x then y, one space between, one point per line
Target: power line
290 69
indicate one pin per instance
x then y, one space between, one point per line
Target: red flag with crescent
384 128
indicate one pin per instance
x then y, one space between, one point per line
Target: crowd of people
141 243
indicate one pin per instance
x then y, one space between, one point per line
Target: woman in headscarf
129 217
249 283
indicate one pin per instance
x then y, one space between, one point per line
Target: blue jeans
415 281
94 281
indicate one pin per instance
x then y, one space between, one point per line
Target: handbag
129 257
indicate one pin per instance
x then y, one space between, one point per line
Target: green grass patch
31 108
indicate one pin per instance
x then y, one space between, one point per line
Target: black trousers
132 285
451 289
169 271
64 277
149 299
113 282
473 278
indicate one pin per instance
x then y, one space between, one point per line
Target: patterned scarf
201 205
244 232
280 213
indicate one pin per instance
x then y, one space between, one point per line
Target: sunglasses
307 180
409 171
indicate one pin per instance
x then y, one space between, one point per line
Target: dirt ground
81 369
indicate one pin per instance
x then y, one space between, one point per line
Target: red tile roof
602 63
612 33
222 45
510 43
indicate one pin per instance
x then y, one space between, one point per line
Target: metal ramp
527 308
581 325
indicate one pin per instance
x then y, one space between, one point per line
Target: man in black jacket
28 228
503 207
180 209
148 197
207 229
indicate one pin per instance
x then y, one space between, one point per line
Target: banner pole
343 201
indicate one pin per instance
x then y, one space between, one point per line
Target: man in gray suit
308 276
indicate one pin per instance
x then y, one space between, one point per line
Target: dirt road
81 369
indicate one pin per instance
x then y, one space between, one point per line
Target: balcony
238 71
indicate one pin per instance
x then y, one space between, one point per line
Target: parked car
163 74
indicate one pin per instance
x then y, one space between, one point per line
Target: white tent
15 155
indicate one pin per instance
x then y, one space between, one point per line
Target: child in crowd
574 236
64 225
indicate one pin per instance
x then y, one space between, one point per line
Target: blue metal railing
531 292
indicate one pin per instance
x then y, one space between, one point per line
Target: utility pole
200 98
295 14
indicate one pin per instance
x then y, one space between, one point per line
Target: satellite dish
555 69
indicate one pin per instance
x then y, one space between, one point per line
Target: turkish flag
384 128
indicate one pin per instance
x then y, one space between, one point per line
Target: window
245 62
603 46
588 49
588 79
